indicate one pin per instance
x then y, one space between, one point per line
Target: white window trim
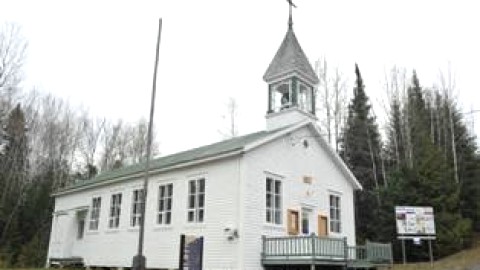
339 208
278 107
135 217
308 97
308 212
157 206
281 179
197 194
90 220
110 217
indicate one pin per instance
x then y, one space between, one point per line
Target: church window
115 208
137 205
196 200
335 220
273 201
95 213
165 194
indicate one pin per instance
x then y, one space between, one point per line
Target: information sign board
415 221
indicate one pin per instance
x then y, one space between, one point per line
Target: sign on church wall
191 252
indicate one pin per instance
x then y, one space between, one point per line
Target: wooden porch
325 251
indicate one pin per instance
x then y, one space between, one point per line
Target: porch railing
323 250
304 246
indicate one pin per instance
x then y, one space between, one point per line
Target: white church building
280 198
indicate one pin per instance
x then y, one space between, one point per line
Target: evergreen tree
468 166
37 209
360 150
426 176
13 179
395 147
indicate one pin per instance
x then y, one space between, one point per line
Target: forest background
424 154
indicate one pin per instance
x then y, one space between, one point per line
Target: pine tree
13 178
468 168
360 150
426 176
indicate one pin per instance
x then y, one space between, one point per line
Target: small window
95 213
196 200
273 201
335 220
165 195
115 208
137 205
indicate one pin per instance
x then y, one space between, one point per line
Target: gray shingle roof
215 149
290 57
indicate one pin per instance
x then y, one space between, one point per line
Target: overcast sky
100 54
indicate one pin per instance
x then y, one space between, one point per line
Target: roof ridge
203 151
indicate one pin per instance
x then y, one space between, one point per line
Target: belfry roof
290 58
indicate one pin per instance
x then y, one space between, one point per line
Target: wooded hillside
46 144
426 156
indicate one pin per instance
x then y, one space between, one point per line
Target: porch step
66 262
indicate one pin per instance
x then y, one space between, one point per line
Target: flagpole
139 260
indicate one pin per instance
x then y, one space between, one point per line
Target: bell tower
291 81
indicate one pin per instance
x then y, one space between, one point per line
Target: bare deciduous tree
12 58
137 147
448 87
91 131
124 144
331 93
230 117
111 133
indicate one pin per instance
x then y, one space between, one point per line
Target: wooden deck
314 250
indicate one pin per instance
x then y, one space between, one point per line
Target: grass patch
468 259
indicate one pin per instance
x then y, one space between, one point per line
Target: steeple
290 21
291 80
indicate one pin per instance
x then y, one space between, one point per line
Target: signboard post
415 223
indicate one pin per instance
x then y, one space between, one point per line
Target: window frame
136 210
163 214
94 217
274 212
304 97
276 96
305 221
115 211
195 212
335 207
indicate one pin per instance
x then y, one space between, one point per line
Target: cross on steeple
290 5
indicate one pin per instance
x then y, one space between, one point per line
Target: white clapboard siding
288 158
234 198
116 247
